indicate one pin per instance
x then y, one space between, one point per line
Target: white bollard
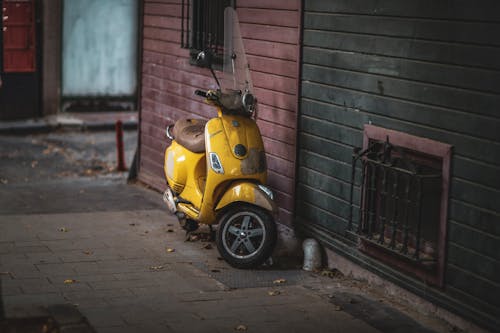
312 255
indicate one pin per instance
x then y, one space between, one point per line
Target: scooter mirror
204 58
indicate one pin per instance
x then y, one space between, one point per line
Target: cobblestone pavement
112 252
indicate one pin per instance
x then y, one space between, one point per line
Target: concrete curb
46 125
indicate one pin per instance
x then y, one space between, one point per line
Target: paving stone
65 314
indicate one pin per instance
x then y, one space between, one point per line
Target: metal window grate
398 204
203 25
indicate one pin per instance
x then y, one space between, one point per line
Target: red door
19 63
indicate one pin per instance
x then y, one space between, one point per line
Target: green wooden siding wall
427 68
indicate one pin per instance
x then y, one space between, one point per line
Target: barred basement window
203 27
403 201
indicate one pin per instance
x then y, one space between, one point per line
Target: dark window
203 26
401 217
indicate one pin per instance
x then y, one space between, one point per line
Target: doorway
20 59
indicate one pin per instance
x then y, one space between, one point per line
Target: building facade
380 124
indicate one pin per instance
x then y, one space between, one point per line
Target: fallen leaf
274 293
208 247
170 230
87 252
279 281
170 250
34 164
215 270
4 181
240 328
156 268
192 238
69 281
63 229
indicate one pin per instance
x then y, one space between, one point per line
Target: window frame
188 26
435 149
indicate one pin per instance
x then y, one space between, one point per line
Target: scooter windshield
236 72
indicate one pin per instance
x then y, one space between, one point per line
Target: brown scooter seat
190 133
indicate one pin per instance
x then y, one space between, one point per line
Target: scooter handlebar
201 93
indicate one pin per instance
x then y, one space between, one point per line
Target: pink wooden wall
271 36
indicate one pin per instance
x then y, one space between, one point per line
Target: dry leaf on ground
63 229
240 328
156 268
69 281
170 250
279 281
274 293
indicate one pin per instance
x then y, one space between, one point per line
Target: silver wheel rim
243 235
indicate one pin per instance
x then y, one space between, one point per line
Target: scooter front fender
244 191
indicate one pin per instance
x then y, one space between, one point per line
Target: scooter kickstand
212 233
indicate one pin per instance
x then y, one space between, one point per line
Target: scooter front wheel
246 235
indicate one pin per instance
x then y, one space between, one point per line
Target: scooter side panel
183 170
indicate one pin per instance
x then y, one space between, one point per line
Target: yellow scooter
216 170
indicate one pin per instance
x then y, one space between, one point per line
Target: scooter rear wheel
246 235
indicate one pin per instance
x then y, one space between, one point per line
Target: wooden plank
477 172
276 116
472 284
166 35
453 76
475 217
456 102
275 17
273 66
276 99
457 54
328 148
481 10
279 181
327 166
275 4
161 9
326 184
275 82
269 33
281 166
473 239
162 22
277 132
467 146
279 149
271 49
311 214
405 111
484 33
164 47
473 263
341 134
325 201
485 197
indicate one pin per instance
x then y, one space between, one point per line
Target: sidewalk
112 253
70 120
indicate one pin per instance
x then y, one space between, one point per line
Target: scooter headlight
267 191
215 163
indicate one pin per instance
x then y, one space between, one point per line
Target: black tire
246 235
